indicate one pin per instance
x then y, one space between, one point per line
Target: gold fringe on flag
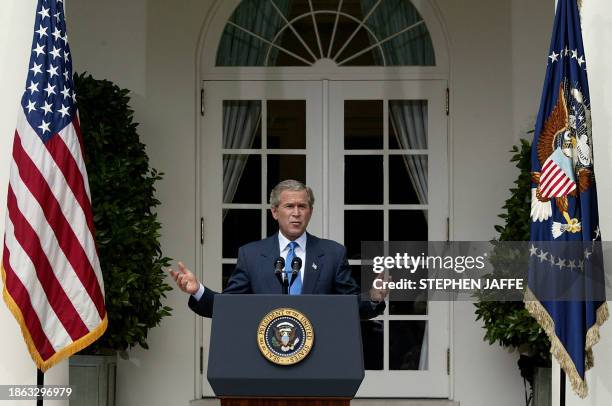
62 354
557 349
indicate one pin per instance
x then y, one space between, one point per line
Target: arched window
304 32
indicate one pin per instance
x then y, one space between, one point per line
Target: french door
375 155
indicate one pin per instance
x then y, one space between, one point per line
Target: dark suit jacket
326 272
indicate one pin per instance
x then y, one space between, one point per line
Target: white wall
16 29
597 33
497 58
150 47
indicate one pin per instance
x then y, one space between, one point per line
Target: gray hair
291 185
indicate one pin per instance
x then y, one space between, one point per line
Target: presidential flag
52 279
566 280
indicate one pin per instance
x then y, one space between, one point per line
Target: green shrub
127 229
509 323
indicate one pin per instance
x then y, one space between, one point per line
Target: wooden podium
241 375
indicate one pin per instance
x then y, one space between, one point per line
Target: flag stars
40 49
66 92
44 127
66 56
57 15
64 111
50 90
56 52
533 251
44 13
46 108
36 69
542 256
560 263
42 31
52 71
31 106
574 53
57 34
33 87
572 265
554 56
580 60
597 233
66 75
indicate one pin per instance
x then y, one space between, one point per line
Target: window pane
372 336
361 225
407 225
404 307
345 28
241 179
305 28
413 46
239 227
408 179
407 350
228 270
363 124
361 41
407 124
241 124
289 41
363 179
287 124
271 224
282 167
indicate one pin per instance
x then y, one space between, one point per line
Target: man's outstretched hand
185 279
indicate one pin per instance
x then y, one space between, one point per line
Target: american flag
52 279
566 286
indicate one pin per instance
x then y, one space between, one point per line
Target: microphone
296 265
279 271
279 265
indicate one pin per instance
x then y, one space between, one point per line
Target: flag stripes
554 182
52 278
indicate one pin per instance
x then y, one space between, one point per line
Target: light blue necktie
296 288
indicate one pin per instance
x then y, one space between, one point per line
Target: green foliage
509 323
127 229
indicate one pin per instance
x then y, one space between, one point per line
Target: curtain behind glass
238 48
408 117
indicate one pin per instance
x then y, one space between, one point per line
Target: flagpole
562 388
40 381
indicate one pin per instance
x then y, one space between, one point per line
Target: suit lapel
312 269
269 254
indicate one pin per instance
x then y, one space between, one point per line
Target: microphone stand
279 266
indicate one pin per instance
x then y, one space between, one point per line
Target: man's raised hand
185 279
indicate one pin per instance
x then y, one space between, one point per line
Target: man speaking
322 266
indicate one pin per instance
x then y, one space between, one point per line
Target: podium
247 330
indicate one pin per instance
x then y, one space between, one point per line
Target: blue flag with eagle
564 207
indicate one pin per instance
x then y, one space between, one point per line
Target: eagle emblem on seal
285 337
564 151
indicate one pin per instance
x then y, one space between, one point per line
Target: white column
16 30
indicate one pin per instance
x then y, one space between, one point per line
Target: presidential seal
285 336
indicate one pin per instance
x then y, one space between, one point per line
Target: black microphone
279 271
279 265
296 265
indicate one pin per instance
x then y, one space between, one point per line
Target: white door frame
330 93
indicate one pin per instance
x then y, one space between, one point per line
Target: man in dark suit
324 269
